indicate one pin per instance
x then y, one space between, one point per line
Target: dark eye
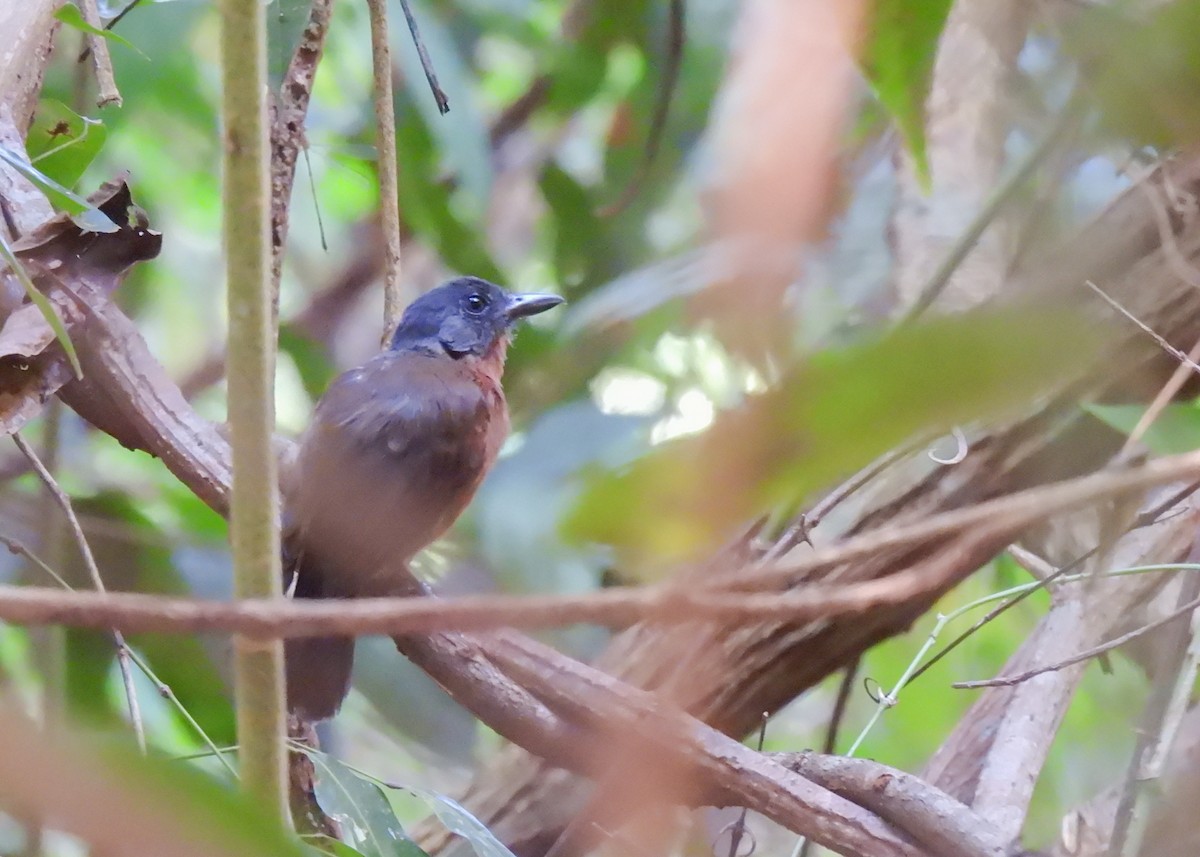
476 303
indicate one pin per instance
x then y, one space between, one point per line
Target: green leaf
329 846
62 143
359 803
457 820
825 418
309 358
362 809
899 64
1175 431
579 239
286 23
85 215
205 809
49 313
70 15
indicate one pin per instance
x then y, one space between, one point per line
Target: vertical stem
254 508
385 145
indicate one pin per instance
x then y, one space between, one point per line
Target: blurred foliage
825 419
898 61
1145 67
635 430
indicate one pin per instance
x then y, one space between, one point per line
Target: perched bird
395 451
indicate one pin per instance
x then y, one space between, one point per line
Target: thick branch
945 826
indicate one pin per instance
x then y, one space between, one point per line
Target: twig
1018 510
800 530
265 618
1162 399
287 126
676 36
120 15
385 159
738 829
1162 343
1117 642
849 675
106 84
16 547
1174 678
1146 518
247 204
439 95
89 562
164 689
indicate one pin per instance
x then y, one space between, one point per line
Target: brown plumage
395 452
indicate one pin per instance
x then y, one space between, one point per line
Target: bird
394 452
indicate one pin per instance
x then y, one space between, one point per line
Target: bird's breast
388 464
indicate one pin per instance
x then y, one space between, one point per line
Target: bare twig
803 526
1115 643
116 19
613 607
1184 269
89 562
106 84
439 95
1147 517
1174 679
1162 399
385 160
849 679
287 126
1018 510
1162 343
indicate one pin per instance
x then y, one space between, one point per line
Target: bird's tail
318 675
317 669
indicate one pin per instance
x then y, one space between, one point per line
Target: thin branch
1146 518
1115 643
89 562
385 160
845 686
439 95
1162 343
1018 510
254 508
1162 399
106 84
120 15
265 618
1174 678
287 126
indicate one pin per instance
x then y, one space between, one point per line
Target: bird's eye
476 303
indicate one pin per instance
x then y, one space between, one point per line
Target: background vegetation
554 170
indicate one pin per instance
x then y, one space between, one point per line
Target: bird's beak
523 306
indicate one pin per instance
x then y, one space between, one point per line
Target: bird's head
466 317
